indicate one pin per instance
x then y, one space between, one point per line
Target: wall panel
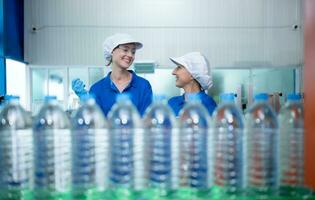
229 32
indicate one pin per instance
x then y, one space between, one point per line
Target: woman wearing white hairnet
119 51
193 75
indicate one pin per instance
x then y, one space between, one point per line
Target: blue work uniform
139 89
178 102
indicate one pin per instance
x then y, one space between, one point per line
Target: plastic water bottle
291 122
194 124
127 147
159 121
52 138
262 156
90 151
228 146
16 152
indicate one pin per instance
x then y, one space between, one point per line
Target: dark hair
198 84
110 62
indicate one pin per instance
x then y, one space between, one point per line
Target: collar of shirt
201 95
112 86
181 100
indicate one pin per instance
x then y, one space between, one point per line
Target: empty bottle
127 147
16 151
159 121
90 151
228 146
52 139
261 148
291 122
194 124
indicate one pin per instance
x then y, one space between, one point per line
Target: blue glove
78 87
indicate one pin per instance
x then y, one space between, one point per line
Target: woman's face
124 55
183 77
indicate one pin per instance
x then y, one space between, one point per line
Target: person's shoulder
174 99
140 80
207 98
99 83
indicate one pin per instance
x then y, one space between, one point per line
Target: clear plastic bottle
228 129
52 139
291 122
262 154
90 151
159 122
194 125
16 151
127 148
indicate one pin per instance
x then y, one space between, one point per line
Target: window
16 80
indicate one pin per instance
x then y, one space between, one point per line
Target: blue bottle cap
294 97
86 97
123 97
159 98
261 97
49 98
227 97
11 97
192 97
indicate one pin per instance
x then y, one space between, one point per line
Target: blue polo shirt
178 102
139 89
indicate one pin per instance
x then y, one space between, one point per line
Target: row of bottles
89 157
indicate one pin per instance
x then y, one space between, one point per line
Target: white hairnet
115 40
198 66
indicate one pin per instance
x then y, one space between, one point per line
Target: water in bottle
291 122
262 156
52 139
127 148
90 152
194 124
159 122
227 136
16 152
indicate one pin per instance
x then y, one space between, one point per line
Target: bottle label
292 156
227 158
16 155
128 162
159 157
90 158
262 158
53 159
193 157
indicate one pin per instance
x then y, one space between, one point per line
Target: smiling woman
192 74
119 52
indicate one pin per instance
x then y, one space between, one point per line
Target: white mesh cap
113 41
198 66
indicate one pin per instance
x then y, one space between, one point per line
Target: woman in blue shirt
119 52
193 75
